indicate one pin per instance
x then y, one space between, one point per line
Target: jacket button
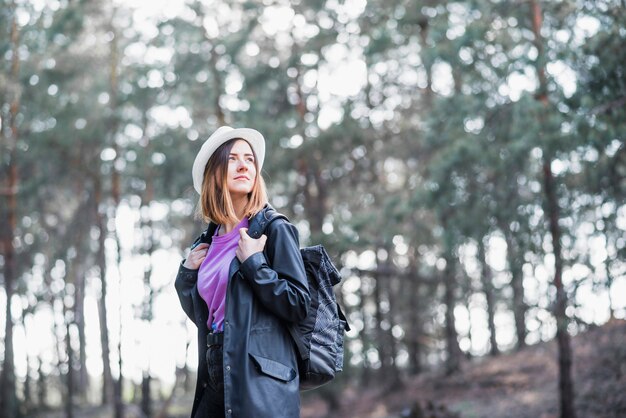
229 411
226 323
227 368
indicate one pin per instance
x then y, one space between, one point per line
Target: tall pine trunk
118 388
513 255
69 375
453 351
609 225
101 222
76 276
148 308
82 385
487 288
42 386
566 386
396 378
366 369
29 402
415 322
314 188
385 281
8 399
381 339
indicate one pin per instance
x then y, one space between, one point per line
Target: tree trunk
69 376
514 257
453 360
28 393
29 403
381 338
609 225
148 308
8 399
386 284
42 386
316 195
62 346
487 285
366 369
396 378
118 389
146 399
415 329
82 385
76 276
314 188
566 387
517 284
8 402
101 221
565 352
563 338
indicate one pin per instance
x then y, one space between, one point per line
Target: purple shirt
213 274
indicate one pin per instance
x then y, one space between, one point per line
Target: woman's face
241 169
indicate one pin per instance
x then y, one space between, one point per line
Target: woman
242 283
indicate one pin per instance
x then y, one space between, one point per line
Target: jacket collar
256 226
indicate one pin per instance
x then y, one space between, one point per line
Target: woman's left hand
248 245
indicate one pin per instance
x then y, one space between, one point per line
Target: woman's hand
196 257
248 245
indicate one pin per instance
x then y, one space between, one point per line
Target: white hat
224 134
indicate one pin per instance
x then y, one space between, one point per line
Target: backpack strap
271 215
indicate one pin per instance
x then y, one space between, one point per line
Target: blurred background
463 162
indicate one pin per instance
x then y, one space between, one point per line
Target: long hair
215 203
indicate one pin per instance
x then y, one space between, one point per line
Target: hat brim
222 135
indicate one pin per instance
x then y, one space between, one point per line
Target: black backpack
319 337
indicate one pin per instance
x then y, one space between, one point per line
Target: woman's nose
241 165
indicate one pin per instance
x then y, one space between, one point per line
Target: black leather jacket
260 366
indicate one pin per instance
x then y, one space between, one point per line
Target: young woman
242 283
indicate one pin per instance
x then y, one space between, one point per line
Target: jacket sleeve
185 282
277 275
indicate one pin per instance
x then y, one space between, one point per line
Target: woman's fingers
248 245
196 256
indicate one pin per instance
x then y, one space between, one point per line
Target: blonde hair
215 204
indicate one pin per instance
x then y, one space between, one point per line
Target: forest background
463 162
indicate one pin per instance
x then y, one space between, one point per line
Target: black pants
212 402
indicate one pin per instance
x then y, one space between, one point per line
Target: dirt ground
516 385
